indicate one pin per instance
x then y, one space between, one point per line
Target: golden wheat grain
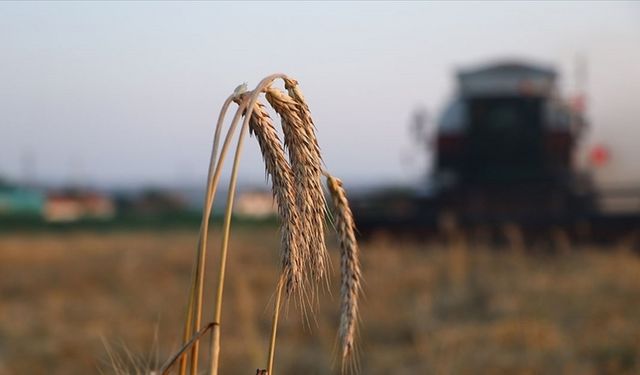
279 170
349 268
294 92
304 155
321 260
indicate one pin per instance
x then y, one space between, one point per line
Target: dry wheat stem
274 327
180 354
349 268
188 318
306 162
251 102
215 170
201 249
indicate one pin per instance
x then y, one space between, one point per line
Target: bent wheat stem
274 327
164 370
195 312
215 345
195 295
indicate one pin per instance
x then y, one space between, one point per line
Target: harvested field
65 299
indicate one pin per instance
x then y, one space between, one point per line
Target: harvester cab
505 144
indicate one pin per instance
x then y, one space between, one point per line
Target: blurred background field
457 306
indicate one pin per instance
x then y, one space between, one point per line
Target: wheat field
70 299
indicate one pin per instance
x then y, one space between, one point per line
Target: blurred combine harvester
503 154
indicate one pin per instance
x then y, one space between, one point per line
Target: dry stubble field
66 299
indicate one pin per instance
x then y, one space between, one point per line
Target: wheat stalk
304 154
297 188
349 268
194 309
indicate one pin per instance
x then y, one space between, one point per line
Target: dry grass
574 313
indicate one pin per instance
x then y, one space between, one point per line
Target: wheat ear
349 267
294 91
279 170
304 154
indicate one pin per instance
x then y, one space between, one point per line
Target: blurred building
257 204
19 201
74 205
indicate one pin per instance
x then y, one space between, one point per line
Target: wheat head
351 274
278 168
304 155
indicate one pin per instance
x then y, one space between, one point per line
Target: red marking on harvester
599 156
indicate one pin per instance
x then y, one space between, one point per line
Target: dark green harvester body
506 124
505 146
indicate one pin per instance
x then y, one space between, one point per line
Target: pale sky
120 93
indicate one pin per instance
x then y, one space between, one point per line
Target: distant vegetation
176 220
